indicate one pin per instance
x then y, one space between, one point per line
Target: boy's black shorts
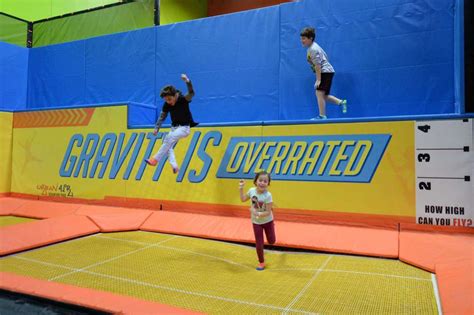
326 82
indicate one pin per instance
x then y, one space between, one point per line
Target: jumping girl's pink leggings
258 229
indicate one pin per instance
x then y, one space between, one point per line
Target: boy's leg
270 232
258 232
334 100
171 138
172 160
337 101
321 102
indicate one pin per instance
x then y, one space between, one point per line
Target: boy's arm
316 61
317 69
189 85
159 122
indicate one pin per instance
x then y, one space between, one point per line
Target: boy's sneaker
319 117
151 161
175 169
261 266
344 106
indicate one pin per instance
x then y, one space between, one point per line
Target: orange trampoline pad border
89 298
376 242
16 238
456 287
417 246
282 214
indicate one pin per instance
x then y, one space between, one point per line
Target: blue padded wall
233 61
13 76
112 68
57 75
391 57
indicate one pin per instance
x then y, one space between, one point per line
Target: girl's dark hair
257 175
168 90
308 32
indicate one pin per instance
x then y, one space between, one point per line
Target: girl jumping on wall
181 121
261 212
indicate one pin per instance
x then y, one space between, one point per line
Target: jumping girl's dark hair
257 175
168 90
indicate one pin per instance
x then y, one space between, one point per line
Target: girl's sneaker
261 266
344 106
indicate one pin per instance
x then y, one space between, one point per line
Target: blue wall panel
57 75
13 76
233 61
121 67
391 57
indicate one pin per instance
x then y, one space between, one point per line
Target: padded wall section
13 31
98 70
13 76
57 75
391 57
120 18
121 67
232 60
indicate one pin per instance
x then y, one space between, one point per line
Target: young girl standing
261 212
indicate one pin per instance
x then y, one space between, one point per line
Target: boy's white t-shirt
259 202
317 55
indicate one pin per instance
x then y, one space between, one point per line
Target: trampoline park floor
12 220
219 277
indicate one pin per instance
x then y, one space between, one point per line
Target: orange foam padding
379 242
291 215
34 234
97 209
456 287
116 222
8 205
45 209
331 238
206 226
426 249
89 298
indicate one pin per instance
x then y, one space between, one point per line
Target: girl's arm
268 211
243 197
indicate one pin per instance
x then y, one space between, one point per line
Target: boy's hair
257 175
308 32
168 90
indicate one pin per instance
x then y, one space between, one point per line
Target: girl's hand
241 184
